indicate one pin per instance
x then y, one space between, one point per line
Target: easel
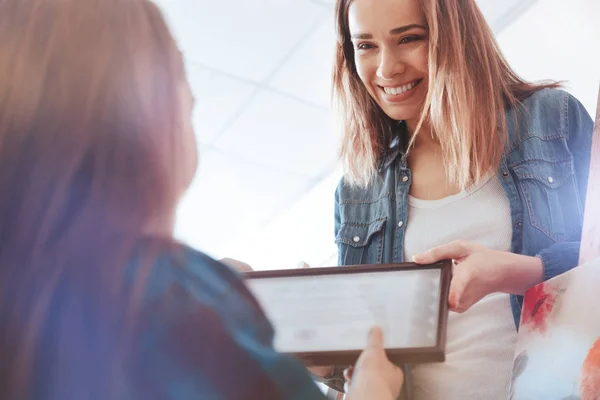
590 237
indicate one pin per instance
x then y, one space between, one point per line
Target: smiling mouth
396 90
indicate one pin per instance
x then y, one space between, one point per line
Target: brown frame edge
398 356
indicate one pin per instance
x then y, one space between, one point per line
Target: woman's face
390 40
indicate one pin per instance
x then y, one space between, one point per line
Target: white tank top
480 342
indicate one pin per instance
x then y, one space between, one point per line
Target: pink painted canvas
558 347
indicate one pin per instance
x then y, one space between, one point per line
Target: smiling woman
449 154
412 60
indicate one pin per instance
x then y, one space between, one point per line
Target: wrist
521 273
322 373
370 388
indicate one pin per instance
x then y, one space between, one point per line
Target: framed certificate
323 315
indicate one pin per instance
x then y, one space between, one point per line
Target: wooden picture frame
379 273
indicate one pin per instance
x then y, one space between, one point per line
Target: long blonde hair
90 148
470 88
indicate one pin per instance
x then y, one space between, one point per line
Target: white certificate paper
334 312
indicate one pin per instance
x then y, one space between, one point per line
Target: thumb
455 297
375 338
450 251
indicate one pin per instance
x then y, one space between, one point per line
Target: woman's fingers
460 279
451 251
348 373
237 264
375 338
374 376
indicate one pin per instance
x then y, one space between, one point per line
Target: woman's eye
364 46
408 39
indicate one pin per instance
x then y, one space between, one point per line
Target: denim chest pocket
361 243
551 197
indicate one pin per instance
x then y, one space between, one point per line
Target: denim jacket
543 170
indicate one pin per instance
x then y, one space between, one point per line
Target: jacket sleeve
579 128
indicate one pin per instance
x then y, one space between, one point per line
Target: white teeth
400 89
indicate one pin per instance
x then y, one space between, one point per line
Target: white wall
558 39
303 234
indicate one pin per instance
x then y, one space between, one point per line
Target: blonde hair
470 88
91 144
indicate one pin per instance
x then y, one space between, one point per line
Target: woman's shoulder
200 322
179 281
548 113
551 101
170 266
555 101
547 96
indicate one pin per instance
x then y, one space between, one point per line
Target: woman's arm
579 128
479 271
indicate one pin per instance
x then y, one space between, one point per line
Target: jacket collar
397 146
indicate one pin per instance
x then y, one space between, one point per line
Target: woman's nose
389 66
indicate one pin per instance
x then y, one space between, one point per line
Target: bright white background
260 71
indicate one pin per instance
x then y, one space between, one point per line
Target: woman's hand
479 271
236 264
374 376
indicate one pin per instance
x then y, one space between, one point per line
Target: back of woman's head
94 150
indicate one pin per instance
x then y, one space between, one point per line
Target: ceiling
260 72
